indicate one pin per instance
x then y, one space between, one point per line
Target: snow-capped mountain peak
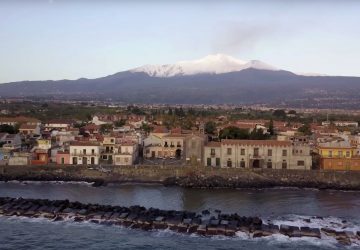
211 64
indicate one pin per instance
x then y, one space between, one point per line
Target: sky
70 39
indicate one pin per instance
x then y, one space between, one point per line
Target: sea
336 209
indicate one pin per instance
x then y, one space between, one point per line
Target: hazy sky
61 39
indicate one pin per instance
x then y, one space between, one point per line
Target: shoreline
189 177
103 183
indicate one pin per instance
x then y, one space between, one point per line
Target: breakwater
197 177
186 222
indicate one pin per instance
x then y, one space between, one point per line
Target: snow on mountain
211 64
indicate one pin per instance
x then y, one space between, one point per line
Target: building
126 154
194 148
12 142
257 154
62 158
339 155
29 129
84 152
13 121
60 125
341 123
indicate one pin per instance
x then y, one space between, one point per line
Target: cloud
240 37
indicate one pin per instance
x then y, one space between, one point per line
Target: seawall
196 177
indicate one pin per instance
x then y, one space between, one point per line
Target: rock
310 232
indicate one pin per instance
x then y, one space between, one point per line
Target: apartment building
271 154
84 152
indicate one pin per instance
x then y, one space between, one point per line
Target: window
242 163
269 152
269 164
212 152
301 163
347 153
112 140
229 151
208 162
166 144
62 160
229 163
126 160
340 153
330 153
179 144
256 152
284 165
93 151
284 152
242 152
218 162
84 151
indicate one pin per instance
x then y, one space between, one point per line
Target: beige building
166 146
257 154
126 154
84 152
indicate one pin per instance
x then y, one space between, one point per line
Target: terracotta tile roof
256 142
175 136
27 126
160 129
213 144
19 119
84 143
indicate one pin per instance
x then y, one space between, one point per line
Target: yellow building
338 156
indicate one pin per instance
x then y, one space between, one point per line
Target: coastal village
138 139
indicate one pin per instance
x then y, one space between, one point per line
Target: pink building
62 158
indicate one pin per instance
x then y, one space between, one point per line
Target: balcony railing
84 154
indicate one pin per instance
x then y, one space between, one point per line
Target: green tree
279 113
104 128
120 123
210 127
305 129
5 128
233 132
271 127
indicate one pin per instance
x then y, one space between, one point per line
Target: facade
12 142
164 146
127 154
84 153
194 148
29 129
257 154
60 125
62 158
338 156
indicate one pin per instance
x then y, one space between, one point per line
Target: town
177 136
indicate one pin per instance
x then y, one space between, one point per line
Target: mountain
215 79
211 64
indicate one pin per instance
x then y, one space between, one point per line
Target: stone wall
202 177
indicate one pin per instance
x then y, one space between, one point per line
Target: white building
84 152
257 154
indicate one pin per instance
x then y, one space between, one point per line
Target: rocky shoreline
187 177
138 217
221 182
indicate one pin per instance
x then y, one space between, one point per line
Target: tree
271 127
210 127
233 132
305 129
120 123
258 134
279 113
105 128
5 128
146 127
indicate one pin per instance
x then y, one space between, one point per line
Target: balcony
84 154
